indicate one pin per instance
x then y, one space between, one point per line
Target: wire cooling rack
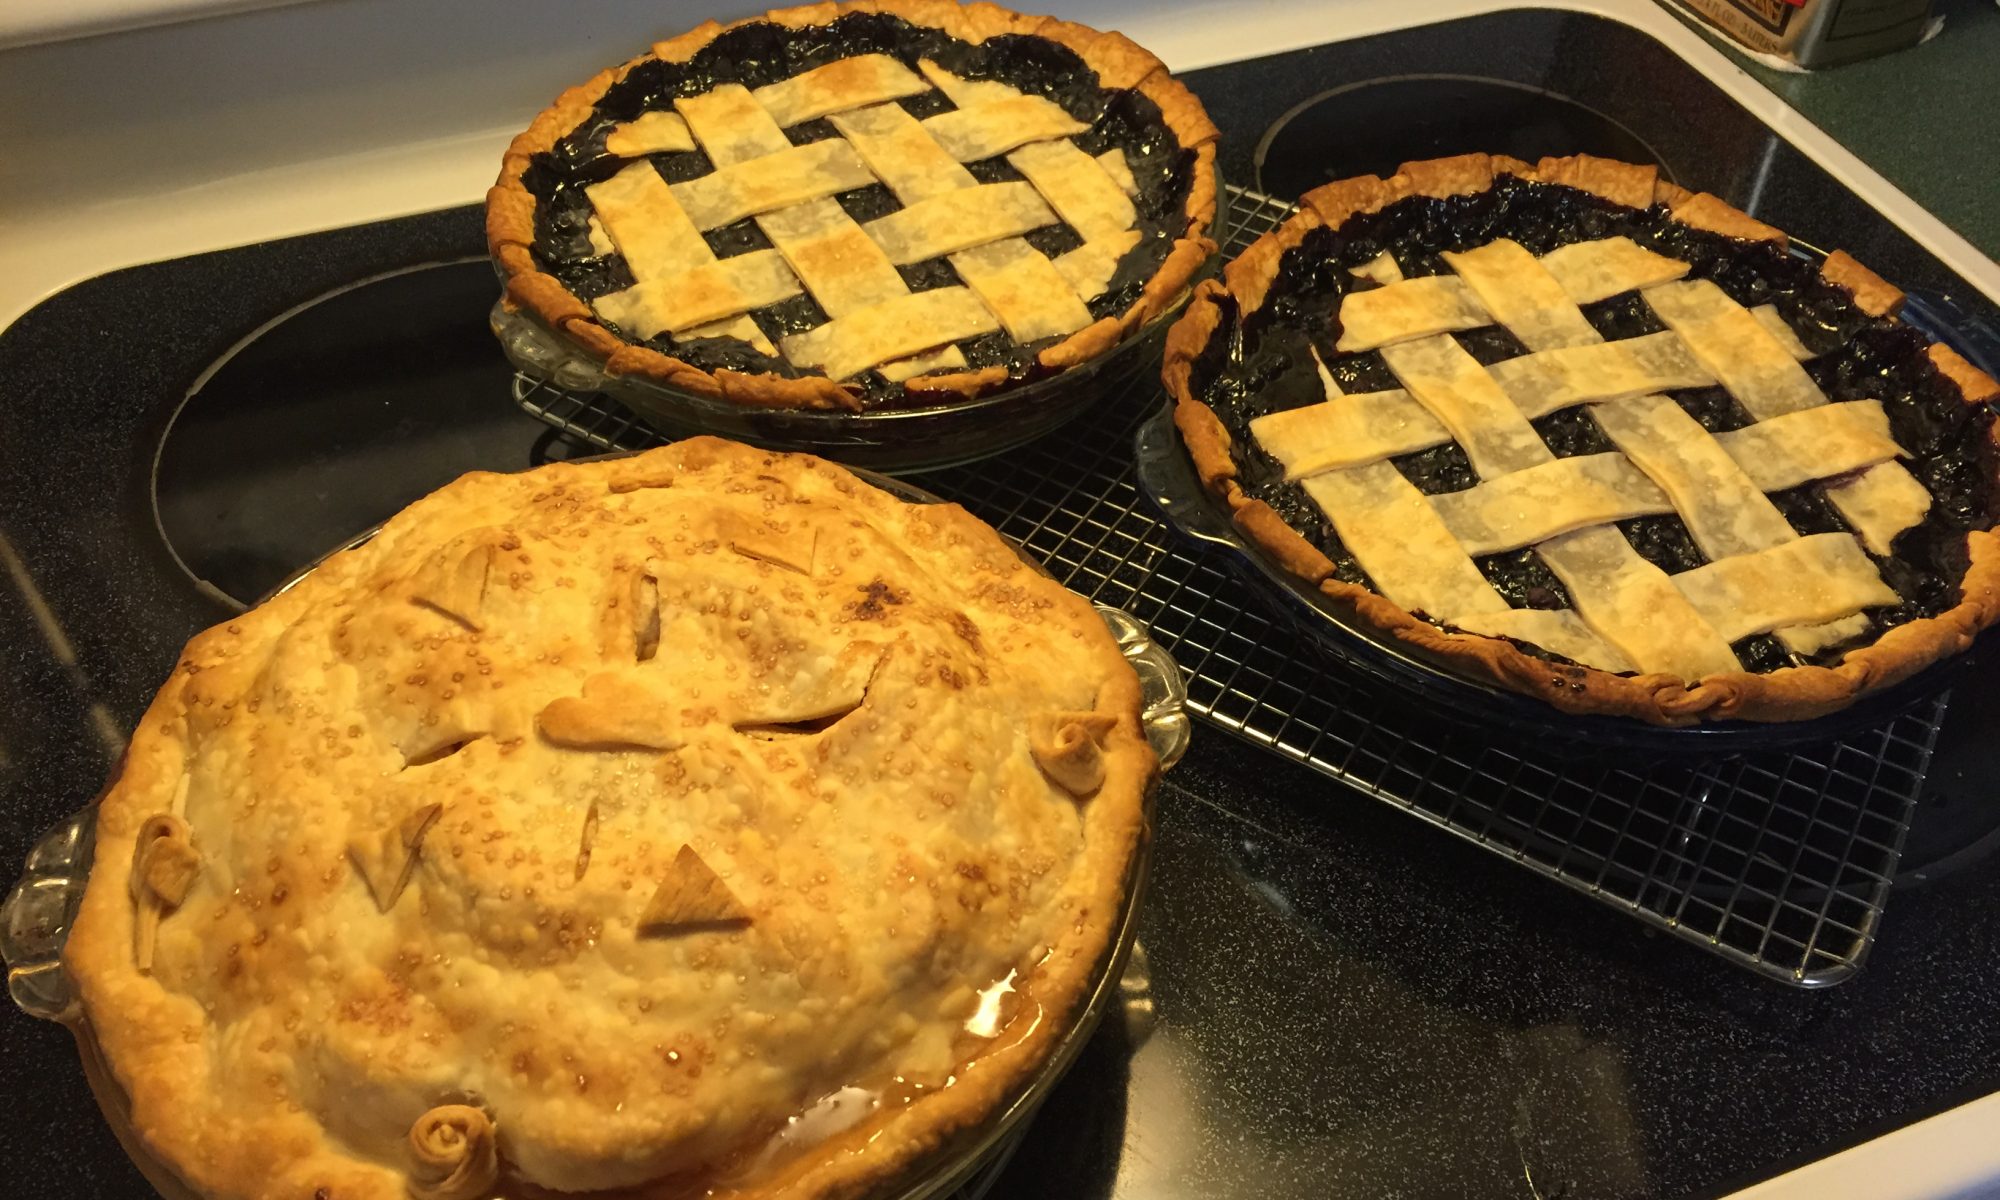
1779 862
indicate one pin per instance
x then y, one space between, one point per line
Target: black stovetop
1341 1000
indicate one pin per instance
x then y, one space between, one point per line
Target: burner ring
1372 126
328 418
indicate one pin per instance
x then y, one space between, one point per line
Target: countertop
1927 118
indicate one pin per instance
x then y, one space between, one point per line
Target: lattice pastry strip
1559 630
850 269
1636 617
1724 511
960 220
1093 195
844 269
755 186
1080 188
1402 540
1880 503
1633 605
839 263
647 224
1027 293
1814 443
893 329
1804 582
1347 430
1605 267
1406 310
649 133
659 244
1449 382
997 126
905 157
1523 296
1540 502
838 86
1031 297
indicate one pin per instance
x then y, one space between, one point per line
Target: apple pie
707 821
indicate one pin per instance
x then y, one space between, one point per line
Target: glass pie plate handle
1163 712
36 918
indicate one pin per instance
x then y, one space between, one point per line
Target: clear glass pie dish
914 438
39 913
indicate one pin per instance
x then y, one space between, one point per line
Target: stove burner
1370 127
329 419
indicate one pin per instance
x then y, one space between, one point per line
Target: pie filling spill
870 200
1602 434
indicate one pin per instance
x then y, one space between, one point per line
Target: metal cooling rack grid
1778 862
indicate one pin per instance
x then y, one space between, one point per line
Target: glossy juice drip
847 1120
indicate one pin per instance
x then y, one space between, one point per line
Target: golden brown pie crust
1120 64
1788 694
797 795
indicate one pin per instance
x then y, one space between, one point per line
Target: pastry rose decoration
164 868
453 1154
1070 748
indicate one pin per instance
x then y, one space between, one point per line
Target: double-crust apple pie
1604 441
707 821
860 204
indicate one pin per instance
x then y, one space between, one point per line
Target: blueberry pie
862 204
707 822
1605 441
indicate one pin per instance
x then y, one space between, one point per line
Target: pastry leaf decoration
454 1154
792 546
388 857
612 713
690 899
1069 747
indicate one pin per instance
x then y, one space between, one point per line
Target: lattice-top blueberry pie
704 823
860 204
1597 438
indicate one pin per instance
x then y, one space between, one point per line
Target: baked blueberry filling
1267 365
761 53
